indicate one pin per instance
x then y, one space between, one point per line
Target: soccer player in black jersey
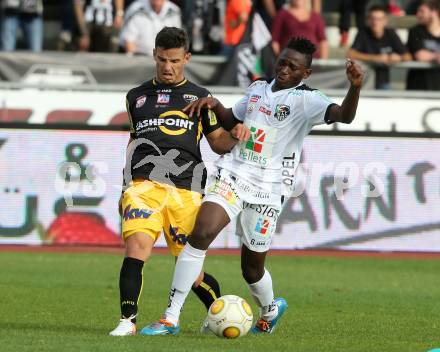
164 174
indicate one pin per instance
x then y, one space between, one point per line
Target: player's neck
276 87
176 83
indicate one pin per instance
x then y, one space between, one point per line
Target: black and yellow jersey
167 139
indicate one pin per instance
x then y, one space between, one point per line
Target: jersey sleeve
240 107
130 119
317 107
209 121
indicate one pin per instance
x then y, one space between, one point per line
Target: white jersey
278 122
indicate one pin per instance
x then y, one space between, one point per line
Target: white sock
188 267
262 292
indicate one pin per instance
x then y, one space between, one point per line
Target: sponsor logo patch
254 98
172 122
281 112
255 142
258 148
224 189
163 98
179 238
212 118
189 98
131 214
140 101
262 226
264 110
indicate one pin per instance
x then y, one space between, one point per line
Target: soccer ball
230 316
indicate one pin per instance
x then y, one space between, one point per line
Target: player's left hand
196 106
354 73
241 132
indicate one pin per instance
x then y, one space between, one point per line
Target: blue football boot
162 327
264 326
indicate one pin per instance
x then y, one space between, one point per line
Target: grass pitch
69 302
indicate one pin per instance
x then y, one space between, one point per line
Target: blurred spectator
24 14
412 6
143 20
127 3
268 9
394 9
96 20
346 8
380 45
68 26
317 6
424 45
298 21
236 18
118 14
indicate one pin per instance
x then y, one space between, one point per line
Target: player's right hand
196 106
241 132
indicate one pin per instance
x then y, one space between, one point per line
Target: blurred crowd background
377 32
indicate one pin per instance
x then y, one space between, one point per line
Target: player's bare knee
139 246
202 237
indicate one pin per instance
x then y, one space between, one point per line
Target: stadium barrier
355 191
103 105
75 69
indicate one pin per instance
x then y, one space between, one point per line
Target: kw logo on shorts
131 214
178 238
262 226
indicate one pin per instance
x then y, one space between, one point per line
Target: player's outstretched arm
222 141
346 112
225 116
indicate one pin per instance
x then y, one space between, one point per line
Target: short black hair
303 46
378 7
171 38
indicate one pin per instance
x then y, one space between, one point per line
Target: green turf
69 302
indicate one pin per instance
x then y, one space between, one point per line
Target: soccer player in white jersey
248 180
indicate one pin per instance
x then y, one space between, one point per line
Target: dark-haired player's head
377 19
428 11
171 55
303 46
293 64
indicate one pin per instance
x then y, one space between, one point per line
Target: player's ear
154 52
307 73
187 56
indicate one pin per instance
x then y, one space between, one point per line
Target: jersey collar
156 83
270 92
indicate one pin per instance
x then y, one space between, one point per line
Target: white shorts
256 223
